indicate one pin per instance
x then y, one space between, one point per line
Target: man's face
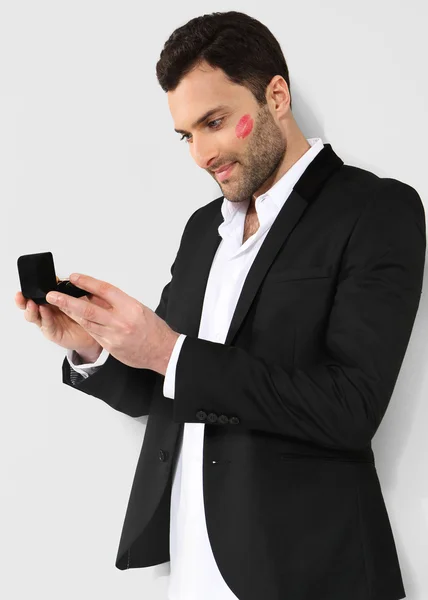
240 132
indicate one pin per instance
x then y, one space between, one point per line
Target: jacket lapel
304 192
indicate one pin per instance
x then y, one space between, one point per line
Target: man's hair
241 46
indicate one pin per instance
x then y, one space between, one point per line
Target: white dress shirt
194 572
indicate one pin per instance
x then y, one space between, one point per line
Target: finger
32 314
80 310
108 292
20 301
47 317
98 301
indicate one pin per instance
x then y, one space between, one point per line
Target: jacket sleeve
340 401
126 389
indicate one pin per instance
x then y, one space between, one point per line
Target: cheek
244 127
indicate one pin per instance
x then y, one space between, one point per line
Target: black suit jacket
292 399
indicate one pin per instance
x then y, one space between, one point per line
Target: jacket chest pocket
295 296
300 273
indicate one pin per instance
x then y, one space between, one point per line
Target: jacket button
163 455
223 419
201 415
233 420
212 417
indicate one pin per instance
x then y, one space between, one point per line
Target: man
285 324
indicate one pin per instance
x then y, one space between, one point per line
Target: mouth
222 175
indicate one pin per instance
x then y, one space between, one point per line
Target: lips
221 169
224 172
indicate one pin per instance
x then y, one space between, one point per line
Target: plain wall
91 170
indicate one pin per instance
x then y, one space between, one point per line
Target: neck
297 146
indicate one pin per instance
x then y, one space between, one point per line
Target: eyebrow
205 117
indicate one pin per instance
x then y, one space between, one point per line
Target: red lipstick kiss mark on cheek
244 127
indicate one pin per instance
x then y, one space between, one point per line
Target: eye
186 135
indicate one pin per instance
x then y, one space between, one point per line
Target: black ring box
37 278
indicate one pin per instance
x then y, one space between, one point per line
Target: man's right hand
57 327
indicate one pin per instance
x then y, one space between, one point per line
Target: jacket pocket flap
292 273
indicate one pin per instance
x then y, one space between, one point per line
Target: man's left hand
127 329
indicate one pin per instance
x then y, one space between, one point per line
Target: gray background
91 170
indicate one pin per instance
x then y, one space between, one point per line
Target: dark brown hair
241 46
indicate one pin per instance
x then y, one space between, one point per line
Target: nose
204 153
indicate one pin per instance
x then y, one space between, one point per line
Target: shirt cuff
169 383
86 369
